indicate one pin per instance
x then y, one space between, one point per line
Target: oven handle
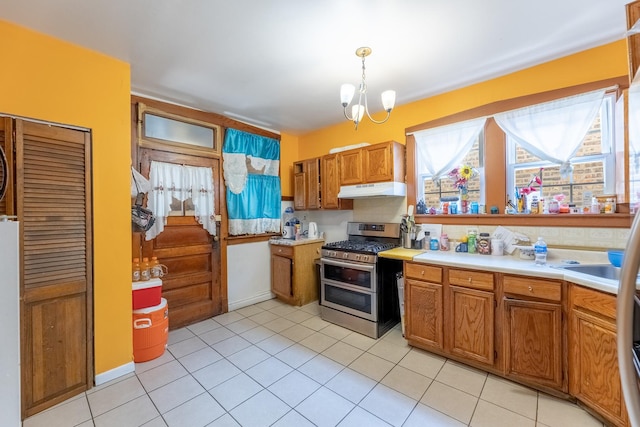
348 286
354 265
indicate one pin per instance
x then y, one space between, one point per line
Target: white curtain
553 130
170 181
440 149
634 118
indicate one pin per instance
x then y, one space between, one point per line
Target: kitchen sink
603 271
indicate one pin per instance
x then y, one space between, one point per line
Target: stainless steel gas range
357 288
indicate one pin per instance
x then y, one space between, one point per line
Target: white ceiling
279 64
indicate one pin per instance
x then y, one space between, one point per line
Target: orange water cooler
150 331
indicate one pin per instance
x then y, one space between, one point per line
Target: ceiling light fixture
357 111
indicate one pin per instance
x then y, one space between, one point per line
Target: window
593 164
431 192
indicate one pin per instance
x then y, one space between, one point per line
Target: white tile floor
273 364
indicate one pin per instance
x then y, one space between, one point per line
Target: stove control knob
365 258
357 257
345 255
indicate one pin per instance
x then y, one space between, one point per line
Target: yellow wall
595 64
288 154
48 79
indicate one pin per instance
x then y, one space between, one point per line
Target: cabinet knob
279 250
530 289
422 273
469 279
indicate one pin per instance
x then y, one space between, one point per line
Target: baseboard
114 373
267 295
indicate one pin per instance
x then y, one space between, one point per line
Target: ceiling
279 64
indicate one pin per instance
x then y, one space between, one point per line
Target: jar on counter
471 243
435 245
484 244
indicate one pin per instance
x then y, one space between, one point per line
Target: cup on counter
462 247
497 247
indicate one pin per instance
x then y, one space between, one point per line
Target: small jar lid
484 234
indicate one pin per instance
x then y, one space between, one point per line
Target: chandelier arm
378 122
346 115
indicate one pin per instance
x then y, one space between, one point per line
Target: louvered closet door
54 208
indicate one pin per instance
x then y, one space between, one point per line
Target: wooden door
193 285
594 375
282 277
533 342
350 163
378 164
312 177
424 320
471 324
53 182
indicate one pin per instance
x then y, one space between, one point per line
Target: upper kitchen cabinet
306 183
330 173
633 38
374 163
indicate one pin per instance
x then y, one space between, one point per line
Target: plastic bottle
444 242
471 243
135 270
145 272
154 266
540 249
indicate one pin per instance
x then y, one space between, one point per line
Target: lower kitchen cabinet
533 331
424 321
470 323
293 272
593 376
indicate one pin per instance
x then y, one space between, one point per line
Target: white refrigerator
9 325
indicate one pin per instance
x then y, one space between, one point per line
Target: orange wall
595 64
288 154
48 79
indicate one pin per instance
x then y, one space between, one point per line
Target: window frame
495 160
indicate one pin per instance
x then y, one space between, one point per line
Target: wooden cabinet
293 272
633 40
306 182
533 333
374 163
330 176
423 293
470 321
593 359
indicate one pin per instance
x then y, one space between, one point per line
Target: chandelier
357 111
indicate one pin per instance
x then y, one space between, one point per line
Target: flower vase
464 200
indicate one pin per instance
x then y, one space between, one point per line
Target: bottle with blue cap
540 248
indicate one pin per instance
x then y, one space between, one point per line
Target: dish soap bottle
540 249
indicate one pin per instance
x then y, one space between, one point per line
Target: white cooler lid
147 310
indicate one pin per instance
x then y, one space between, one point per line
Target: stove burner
360 247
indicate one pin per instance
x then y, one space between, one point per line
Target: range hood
376 189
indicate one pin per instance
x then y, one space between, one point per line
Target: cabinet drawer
535 288
286 251
471 279
595 301
423 272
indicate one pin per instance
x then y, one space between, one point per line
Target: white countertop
293 242
515 265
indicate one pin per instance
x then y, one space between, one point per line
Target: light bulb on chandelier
358 110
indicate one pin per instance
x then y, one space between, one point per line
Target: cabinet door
281 276
471 324
350 167
330 182
533 342
378 163
423 313
299 192
593 372
312 181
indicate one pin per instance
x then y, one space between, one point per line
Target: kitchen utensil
289 232
313 231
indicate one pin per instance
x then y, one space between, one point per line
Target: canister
484 244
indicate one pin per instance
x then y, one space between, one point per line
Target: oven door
356 275
349 300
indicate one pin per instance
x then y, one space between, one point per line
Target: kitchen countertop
292 242
514 265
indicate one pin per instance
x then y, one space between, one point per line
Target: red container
147 293
150 332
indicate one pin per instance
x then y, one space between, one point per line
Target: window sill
621 220
250 238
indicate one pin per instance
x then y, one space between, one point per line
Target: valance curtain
170 181
440 149
251 172
553 131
